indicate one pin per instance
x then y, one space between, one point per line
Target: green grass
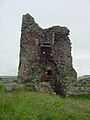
35 106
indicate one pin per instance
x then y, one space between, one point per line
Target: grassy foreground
33 106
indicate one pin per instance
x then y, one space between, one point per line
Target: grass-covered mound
35 106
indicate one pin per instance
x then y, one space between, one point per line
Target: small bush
2 87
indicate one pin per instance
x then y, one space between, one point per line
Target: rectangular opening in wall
49 72
47 43
45 51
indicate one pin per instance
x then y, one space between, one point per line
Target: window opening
49 72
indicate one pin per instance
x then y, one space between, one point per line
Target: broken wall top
30 24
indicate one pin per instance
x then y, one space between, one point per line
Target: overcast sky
74 14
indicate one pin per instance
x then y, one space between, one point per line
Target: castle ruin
45 56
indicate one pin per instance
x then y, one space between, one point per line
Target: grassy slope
4 78
33 106
84 77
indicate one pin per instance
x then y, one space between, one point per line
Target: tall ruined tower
45 56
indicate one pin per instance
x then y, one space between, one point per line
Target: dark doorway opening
49 72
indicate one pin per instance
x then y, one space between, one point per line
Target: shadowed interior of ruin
45 60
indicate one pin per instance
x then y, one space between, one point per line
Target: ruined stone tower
45 56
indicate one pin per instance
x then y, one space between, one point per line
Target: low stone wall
82 86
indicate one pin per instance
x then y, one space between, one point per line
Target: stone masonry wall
28 65
81 86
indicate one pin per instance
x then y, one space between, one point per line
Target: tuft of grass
25 105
